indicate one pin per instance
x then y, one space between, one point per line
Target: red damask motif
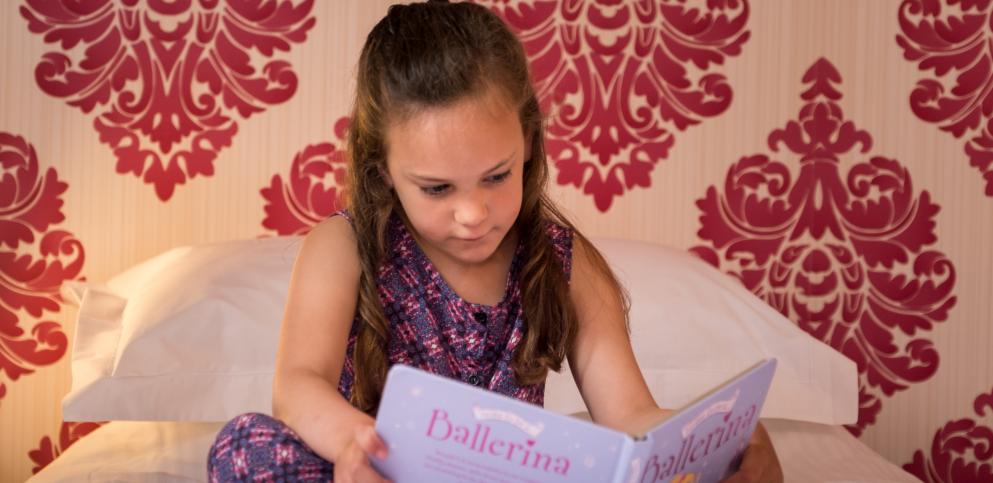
30 205
846 258
69 434
618 77
962 451
167 75
312 192
954 39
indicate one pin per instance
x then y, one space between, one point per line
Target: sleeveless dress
432 328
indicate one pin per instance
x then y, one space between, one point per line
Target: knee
249 421
259 444
245 431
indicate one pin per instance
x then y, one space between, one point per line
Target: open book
441 430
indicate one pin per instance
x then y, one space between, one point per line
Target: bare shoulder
321 301
331 244
326 274
596 291
590 273
336 229
580 251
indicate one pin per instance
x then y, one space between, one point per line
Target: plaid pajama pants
255 447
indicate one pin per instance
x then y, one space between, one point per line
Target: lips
473 239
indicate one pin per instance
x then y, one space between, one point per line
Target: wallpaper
834 157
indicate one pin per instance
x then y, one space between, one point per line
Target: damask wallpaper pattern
800 146
170 79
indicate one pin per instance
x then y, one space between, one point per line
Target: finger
750 468
735 478
760 464
370 442
754 460
742 477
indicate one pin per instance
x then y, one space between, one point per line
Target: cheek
413 204
424 213
511 198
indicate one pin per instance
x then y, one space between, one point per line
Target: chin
474 256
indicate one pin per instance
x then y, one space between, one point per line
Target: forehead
472 133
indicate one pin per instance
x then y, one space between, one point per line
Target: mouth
472 239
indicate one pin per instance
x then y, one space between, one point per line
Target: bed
175 452
171 348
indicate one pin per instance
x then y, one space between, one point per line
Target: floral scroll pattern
961 451
846 255
35 258
313 189
620 78
168 77
69 433
954 40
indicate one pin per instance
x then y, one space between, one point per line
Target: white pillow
135 451
191 335
692 327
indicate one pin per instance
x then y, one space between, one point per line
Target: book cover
441 430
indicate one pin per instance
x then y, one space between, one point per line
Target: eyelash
441 189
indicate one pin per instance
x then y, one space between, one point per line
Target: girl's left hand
760 464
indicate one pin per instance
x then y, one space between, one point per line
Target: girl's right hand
353 464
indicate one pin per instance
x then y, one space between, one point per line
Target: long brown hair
429 55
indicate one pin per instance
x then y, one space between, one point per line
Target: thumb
370 442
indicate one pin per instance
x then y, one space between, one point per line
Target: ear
386 176
527 147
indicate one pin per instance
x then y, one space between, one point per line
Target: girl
450 258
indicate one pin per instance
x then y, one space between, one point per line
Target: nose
472 210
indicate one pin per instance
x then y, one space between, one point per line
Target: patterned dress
432 328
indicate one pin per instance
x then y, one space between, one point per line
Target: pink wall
836 157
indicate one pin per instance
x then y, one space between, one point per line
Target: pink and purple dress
432 328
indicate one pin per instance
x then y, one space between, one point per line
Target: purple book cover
704 440
441 430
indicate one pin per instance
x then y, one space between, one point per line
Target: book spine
623 468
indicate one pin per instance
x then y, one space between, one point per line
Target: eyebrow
429 179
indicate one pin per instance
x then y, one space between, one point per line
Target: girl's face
457 171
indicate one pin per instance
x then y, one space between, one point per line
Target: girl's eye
497 178
436 190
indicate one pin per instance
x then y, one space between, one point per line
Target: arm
313 338
608 376
601 358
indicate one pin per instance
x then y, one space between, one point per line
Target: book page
704 441
440 430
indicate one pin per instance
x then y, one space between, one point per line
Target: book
441 430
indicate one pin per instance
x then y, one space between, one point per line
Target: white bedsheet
820 452
136 451
177 452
